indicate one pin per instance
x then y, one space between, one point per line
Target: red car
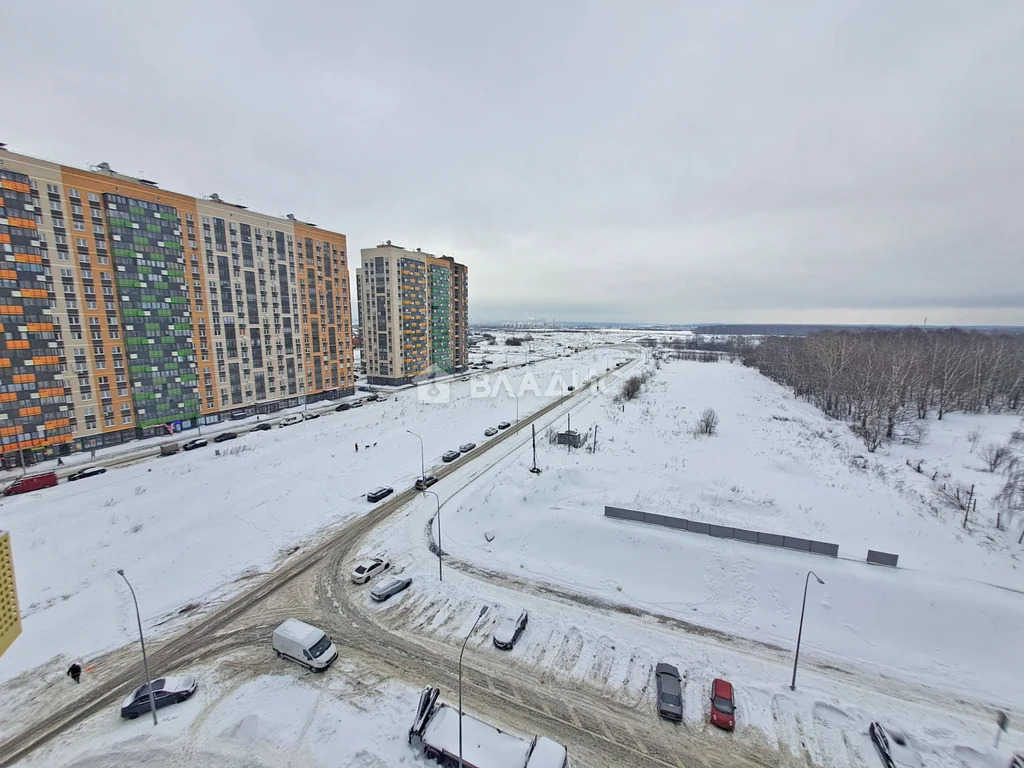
31 483
723 708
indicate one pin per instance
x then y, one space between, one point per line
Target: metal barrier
882 558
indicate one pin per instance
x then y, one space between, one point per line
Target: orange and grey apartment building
413 314
128 311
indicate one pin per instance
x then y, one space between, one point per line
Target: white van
294 418
311 647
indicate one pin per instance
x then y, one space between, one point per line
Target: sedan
310 415
572 388
382 398
357 404
388 589
449 456
87 472
467 447
504 425
166 690
425 482
490 432
191 445
371 398
509 630
262 427
343 407
366 570
224 436
723 707
670 692
379 493
893 747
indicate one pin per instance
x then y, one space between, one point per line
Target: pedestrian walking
75 672
92 454
357 447
60 462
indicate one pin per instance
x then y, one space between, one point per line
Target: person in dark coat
75 672
357 447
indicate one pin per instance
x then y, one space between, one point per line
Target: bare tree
708 423
995 456
974 436
631 387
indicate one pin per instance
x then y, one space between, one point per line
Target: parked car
262 427
357 404
893 747
389 589
670 692
379 493
723 707
425 482
31 483
224 436
310 415
166 691
571 388
464 378
509 630
490 431
382 398
504 425
372 397
191 445
304 643
449 456
87 472
290 419
365 389
467 447
367 569
343 407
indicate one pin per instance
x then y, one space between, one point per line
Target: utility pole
535 469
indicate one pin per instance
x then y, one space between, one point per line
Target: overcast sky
643 162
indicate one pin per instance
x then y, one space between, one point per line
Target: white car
894 747
509 630
366 570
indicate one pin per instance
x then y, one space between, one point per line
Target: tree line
887 383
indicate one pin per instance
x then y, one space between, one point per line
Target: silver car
389 589
509 630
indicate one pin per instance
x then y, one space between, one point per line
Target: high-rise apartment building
128 310
413 314
10 614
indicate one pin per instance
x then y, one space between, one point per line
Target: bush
707 424
995 456
631 387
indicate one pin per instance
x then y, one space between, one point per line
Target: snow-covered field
931 646
189 528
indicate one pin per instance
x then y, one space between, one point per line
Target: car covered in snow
389 589
723 706
893 747
166 691
310 415
379 493
670 691
367 569
491 431
87 472
449 456
509 629
466 447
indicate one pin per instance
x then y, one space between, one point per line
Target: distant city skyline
847 162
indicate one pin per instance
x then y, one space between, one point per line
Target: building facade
10 614
142 311
412 313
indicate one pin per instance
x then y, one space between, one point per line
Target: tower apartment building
127 310
10 614
412 313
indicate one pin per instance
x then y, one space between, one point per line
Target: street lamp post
440 574
142 642
517 407
423 472
800 632
482 612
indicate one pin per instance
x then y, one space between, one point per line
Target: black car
87 472
670 692
382 592
343 407
371 398
262 427
504 425
571 388
509 630
191 445
449 456
166 690
379 493
225 436
425 482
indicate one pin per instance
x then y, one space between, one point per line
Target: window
93 197
126 418
55 205
52 189
76 209
80 226
72 192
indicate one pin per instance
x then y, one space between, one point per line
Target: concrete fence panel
675 522
882 558
624 514
694 527
720 531
743 534
792 542
652 519
824 548
771 539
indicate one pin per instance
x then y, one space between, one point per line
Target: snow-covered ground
931 646
189 528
